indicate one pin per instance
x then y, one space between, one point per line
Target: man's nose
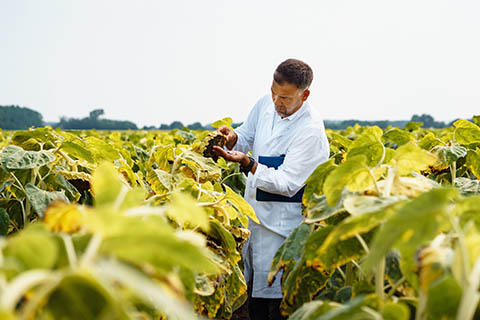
275 99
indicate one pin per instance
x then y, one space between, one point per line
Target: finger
224 129
220 151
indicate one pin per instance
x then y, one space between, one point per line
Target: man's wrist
246 168
245 161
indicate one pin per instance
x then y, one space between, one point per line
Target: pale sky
154 62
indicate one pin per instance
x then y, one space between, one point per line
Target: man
287 139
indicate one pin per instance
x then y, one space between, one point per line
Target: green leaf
468 209
429 141
148 240
77 151
107 185
101 150
150 292
395 311
369 145
444 297
4 222
14 158
476 120
473 162
40 199
33 248
290 249
314 183
224 122
410 158
412 126
341 140
361 307
39 134
466 132
58 182
183 209
313 310
414 224
82 296
397 136
352 174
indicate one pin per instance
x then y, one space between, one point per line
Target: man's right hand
230 136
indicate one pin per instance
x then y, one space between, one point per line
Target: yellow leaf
64 217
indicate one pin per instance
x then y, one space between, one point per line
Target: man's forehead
285 88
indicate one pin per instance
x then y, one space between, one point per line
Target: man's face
288 98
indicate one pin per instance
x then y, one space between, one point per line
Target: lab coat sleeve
308 152
246 132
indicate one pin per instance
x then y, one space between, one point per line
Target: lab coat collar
291 118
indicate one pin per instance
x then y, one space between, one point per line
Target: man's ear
305 95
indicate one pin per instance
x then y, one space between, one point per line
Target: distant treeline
426 119
15 117
93 122
19 118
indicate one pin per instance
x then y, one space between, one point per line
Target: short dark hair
294 71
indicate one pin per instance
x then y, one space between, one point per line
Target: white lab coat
301 138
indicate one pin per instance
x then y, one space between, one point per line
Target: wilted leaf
40 199
467 186
290 249
412 225
14 158
318 209
301 284
358 204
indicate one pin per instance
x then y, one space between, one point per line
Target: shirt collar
297 113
